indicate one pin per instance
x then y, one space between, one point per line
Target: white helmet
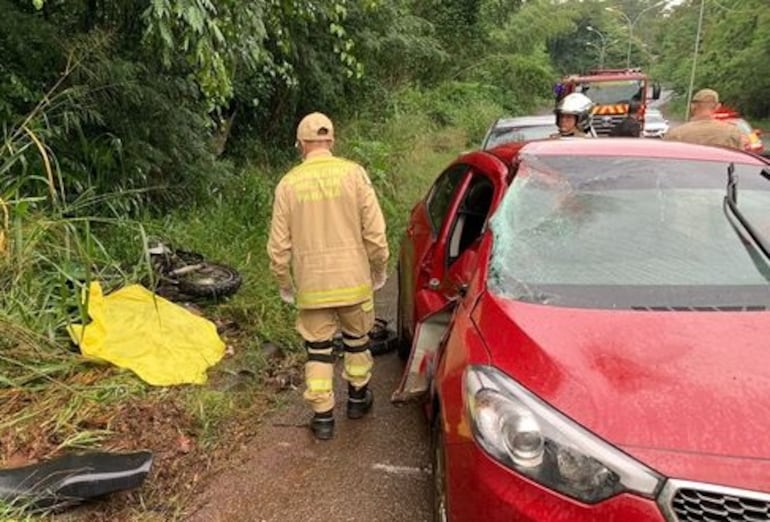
579 105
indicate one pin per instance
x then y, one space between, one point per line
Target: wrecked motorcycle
189 273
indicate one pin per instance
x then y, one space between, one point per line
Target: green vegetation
735 37
137 119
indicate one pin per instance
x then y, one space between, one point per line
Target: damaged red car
587 322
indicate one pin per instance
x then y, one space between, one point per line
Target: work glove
287 295
378 280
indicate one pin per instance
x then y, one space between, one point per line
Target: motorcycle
190 274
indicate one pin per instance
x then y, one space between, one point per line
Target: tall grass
54 248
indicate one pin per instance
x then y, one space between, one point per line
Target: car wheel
404 341
440 505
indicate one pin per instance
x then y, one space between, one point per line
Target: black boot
359 401
322 425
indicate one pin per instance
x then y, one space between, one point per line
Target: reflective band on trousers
352 294
358 370
319 385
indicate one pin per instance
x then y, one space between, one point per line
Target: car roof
525 121
625 147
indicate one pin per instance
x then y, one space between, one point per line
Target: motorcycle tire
211 280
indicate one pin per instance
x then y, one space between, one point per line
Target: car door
449 263
416 261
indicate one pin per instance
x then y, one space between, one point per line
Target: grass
53 401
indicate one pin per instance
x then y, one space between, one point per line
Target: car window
442 194
653 118
504 135
631 232
471 217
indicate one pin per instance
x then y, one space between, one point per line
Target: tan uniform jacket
707 131
328 227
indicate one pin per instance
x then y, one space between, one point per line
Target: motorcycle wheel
210 280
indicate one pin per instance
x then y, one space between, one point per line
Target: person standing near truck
703 128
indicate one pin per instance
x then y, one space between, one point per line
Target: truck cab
612 91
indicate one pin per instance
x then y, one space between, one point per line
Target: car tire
438 451
404 341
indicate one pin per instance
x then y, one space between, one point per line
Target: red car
589 323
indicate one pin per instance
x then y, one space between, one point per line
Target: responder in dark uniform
631 127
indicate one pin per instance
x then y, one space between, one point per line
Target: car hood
655 126
695 382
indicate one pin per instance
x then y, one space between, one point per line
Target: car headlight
527 435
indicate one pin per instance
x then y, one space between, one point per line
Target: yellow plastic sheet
163 343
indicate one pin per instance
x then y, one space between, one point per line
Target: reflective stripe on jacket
328 231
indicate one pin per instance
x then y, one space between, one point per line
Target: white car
513 130
655 125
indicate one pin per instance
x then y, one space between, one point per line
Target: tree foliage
735 38
156 90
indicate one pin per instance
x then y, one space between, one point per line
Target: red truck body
612 90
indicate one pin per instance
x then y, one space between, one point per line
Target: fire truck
611 90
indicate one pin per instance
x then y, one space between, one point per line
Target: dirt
376 468
263 453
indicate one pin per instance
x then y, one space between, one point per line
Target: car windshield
611 232
653 117
621 91
503 135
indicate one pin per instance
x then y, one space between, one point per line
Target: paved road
375 469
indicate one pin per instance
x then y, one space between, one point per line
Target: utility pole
695 58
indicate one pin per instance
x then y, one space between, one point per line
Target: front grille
604 123
706 503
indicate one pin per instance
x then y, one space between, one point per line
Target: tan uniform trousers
318 326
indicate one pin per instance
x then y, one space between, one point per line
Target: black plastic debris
72 479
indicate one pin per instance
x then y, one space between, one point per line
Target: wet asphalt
375 469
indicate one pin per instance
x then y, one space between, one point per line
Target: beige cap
315 127
706 96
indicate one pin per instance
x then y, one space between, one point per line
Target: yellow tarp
163 343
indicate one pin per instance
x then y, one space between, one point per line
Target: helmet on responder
578 105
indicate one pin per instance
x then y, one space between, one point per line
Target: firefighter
703 128
573 116
630 127
329 252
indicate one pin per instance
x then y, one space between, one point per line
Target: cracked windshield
629 232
